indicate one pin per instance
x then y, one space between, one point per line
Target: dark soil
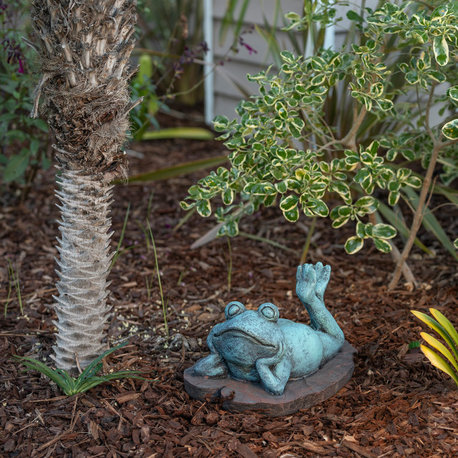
396 404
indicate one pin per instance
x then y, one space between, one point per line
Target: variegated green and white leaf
450 129
353 244
384 231
204 208
382 245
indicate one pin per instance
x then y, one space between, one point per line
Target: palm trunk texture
84 48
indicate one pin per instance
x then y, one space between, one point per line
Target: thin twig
305 250
350 139
418 215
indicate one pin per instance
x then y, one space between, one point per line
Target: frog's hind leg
312 282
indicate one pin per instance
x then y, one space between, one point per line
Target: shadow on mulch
395 405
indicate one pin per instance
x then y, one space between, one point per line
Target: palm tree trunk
84 263
84 47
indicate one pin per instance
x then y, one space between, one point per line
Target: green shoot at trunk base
86 380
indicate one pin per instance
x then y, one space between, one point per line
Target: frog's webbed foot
322 274
306 283
311 282
212 366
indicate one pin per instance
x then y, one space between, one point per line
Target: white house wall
235 66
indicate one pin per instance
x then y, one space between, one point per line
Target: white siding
236 65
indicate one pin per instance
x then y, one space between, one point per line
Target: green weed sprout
446 330
161 292
86 380
13 281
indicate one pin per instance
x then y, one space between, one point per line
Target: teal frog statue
258 346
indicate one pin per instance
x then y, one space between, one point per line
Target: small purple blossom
13 54
188 57
21 66
243 43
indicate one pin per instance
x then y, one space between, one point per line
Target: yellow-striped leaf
440 347
435 326
438 362
446 325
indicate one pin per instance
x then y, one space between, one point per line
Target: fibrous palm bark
84 47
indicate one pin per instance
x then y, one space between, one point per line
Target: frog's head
248 335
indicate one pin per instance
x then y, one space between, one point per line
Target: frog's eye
269 311
233 308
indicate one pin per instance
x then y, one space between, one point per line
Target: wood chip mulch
395 405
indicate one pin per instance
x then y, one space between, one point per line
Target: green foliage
86 380
285 153
445 329
143 115
23 139
171 32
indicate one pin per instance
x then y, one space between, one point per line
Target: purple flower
21 66
247 46
13 53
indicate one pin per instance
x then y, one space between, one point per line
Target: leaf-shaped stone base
299 394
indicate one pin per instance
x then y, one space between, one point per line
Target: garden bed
396 404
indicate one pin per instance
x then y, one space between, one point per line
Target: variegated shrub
286 151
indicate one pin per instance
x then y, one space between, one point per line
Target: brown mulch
395 405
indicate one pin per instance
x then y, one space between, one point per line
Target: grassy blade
435 326
36 365
8 298
189 133
397 222
121 238
15 281
87 374
240 20
94 381
438 362
177 170
447 192
228 20
266 240
270 38
95 365
69 380
184 220
446 325
431 223
440 347
156 262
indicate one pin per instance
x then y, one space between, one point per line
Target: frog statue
258 346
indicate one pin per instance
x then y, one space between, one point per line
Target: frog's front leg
274 371
274 378
212 366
